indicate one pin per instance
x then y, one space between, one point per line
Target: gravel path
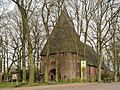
77 86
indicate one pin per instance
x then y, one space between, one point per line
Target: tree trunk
0 59
99 68
38 59
57 68
99 49
26 29
23 58
114 55
4 65
0 67
46 69
47 57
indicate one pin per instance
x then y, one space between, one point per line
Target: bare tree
24 10
45 23
102 28
0 59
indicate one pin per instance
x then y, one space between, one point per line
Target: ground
95 86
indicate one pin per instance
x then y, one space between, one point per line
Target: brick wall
68 66
91 73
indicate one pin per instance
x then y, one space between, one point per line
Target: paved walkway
102 86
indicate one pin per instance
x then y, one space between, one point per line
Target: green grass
7 84
14 84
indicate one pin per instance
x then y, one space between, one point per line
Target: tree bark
23 57
0 59
27 30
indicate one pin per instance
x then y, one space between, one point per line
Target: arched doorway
52 74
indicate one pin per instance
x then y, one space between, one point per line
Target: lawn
7 84
14 84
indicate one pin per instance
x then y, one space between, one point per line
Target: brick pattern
69 68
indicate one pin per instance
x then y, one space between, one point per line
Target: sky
12 5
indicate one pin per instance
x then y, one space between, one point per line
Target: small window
64 76
53 62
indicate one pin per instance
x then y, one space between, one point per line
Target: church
66 53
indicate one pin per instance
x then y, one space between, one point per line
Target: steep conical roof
63 36
65 39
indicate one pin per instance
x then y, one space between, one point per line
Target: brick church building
66 52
